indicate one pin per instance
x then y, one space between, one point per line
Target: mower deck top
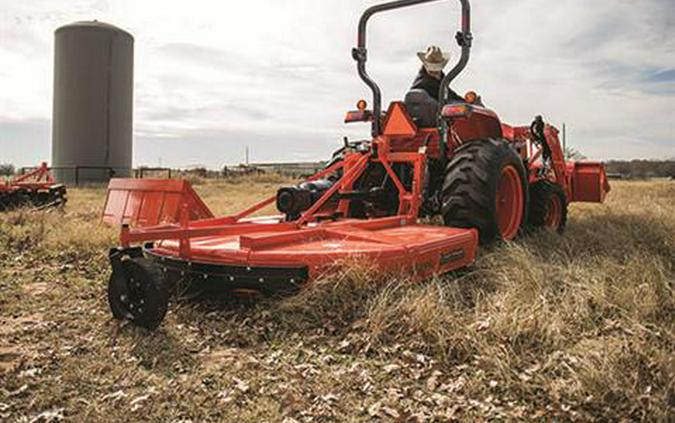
387 244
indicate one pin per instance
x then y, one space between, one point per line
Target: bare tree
6 169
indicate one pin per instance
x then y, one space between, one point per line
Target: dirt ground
573 328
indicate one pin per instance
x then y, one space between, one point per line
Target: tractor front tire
548 206
485 187
138 291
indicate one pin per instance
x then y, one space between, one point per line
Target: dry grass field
572 328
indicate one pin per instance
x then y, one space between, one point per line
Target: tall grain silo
93 102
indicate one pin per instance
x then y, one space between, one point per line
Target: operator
431 74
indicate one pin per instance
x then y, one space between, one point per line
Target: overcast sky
212 77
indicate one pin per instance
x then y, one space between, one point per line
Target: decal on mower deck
451 256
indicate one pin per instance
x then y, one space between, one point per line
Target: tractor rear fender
589 181
150 202
482 123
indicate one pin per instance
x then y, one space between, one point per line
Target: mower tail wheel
138 291
485 187
548 206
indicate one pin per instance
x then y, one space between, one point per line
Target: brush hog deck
274 253
270 255
452 159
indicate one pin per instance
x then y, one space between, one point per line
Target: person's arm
418 82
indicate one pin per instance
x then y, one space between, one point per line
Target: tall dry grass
582 322
579 327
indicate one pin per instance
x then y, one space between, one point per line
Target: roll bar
360 53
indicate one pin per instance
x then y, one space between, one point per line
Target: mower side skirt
268 279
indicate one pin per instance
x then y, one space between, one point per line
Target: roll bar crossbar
360 53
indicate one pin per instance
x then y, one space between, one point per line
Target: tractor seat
422 107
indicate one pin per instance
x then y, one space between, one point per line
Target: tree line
642 168
626 168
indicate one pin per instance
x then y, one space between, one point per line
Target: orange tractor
455 159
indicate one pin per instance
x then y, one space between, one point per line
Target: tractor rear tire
140 293
485 187
548 206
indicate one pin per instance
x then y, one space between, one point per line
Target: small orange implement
36 189
455 159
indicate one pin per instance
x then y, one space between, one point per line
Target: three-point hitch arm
360 53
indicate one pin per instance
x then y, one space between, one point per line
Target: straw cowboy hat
434 59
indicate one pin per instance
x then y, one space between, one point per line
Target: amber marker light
470 97
456 111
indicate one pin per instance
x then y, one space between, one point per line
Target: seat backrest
422 107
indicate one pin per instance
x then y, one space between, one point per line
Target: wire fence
80 175
77 175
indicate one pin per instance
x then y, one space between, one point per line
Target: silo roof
94 25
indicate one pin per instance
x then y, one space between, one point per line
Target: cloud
197 147
213 77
